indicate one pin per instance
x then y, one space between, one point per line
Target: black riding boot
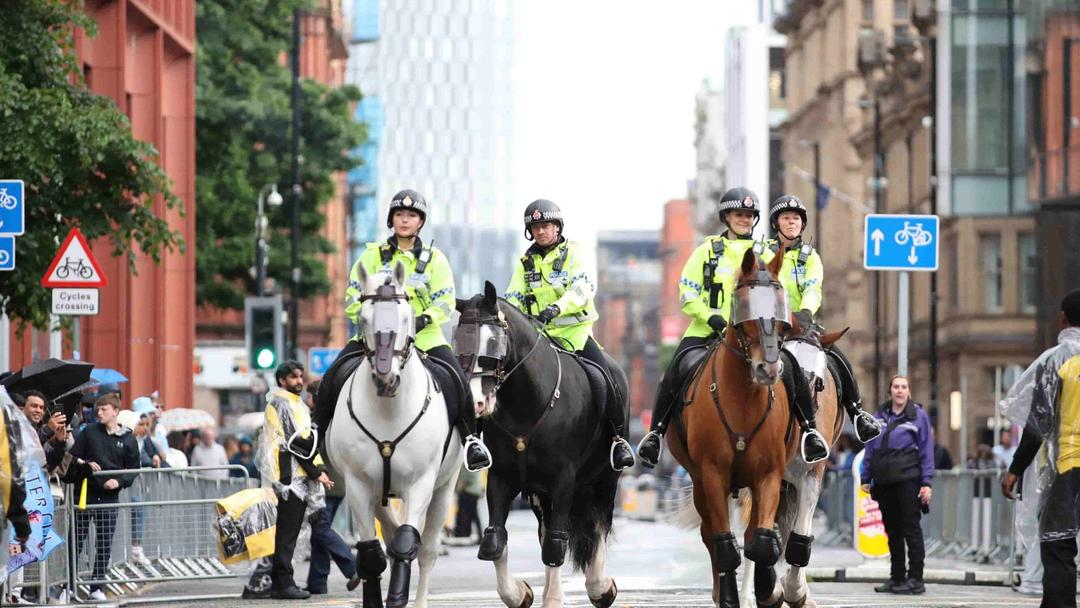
326 396
866 426
621 456
477 456
650 445
813 447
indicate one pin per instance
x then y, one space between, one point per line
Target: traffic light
264 335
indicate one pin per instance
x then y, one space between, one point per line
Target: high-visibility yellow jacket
558 277
801 275
429 283
708 280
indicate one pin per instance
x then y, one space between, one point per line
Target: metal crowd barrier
169 512
969 518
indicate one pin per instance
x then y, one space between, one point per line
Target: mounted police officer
430 288
552 285
802 274
705 290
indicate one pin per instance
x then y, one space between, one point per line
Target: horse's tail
590 522
682 511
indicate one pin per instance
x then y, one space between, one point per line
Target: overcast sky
605 104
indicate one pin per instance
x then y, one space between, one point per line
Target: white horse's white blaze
420 476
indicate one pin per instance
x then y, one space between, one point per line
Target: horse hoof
804 602
608 598
777 604
526 601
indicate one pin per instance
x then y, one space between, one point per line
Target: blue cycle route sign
12 209
901 242
7 252
320 359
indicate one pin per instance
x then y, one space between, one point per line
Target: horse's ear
829 339
749 263
491 295
399 274
460 304
775 263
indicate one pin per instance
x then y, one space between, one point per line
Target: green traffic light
265 358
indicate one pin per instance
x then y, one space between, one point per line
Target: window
1029 268
990 249
901 12
868 10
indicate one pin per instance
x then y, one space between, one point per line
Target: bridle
383 353
766 330
473 317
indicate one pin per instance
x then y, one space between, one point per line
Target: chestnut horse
737 431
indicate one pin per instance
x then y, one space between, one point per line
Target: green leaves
74 150
243 142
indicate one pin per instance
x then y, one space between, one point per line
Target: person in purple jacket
897 469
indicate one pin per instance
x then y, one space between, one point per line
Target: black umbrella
53 377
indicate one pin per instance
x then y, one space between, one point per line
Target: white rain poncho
1035 403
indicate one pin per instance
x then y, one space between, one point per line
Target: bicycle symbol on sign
7 201
77 266
914 234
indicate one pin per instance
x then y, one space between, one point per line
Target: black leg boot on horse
370 564
726 560
621 456
813 446
650 446
477 456
866 426
403 548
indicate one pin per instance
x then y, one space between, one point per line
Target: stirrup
865 416
659 449
617 441
802 446
472 440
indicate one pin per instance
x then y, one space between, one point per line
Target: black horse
549 441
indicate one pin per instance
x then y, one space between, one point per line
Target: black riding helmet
787 202
739 198
542 210
407 199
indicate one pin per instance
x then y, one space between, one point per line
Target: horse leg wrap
405 544
764 548
553 551
765 584
370 564
726 552
797 552
492 544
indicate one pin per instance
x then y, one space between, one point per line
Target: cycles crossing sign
12 207
901 242
74 265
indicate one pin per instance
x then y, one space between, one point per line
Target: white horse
390 437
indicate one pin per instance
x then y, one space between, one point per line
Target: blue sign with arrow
12 209
7 252
901 242
320 359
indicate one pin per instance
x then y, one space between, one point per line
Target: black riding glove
717 323
548 314
805 319
421 322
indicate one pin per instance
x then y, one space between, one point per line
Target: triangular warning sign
74 265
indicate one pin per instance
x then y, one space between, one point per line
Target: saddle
600 383
441 374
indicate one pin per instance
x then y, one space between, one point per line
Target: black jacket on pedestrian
111 452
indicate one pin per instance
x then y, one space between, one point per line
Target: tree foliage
75 151
243 137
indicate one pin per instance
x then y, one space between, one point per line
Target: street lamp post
260 236
294 299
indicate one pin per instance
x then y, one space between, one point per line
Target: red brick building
143 58
676 244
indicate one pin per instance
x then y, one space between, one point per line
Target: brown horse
737 431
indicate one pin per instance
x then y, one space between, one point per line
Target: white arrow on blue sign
320 360
7 252
12 209
901 242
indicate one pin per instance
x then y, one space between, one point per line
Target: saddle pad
598 383
446 382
